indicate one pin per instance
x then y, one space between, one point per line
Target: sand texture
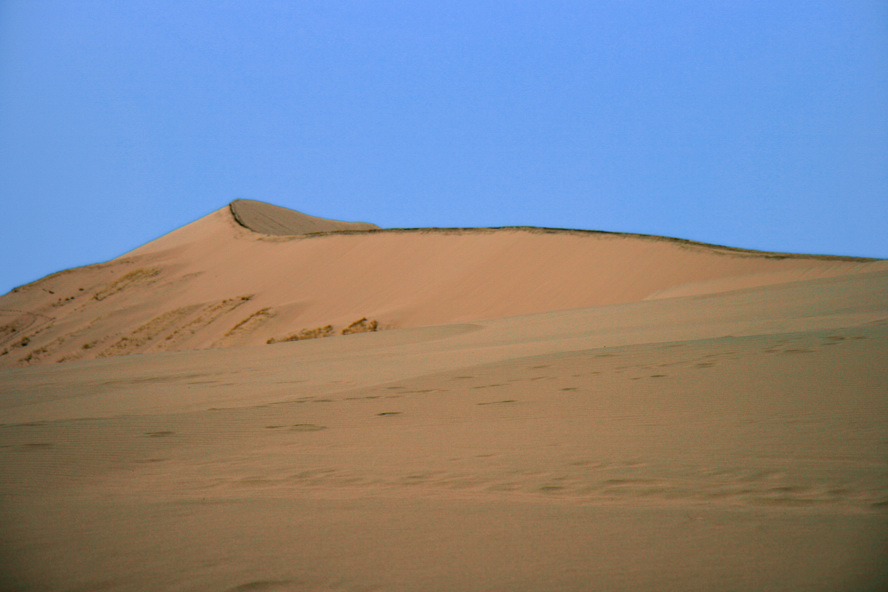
532 410
277 221
216 284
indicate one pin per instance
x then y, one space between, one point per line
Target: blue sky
753 124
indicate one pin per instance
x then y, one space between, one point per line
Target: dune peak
266 218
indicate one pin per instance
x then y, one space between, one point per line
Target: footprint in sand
267 586
307 427
299 427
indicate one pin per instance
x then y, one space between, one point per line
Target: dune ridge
274 220
458 230
173 293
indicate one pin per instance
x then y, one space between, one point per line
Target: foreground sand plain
724 430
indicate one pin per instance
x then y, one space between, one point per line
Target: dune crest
252 273
277 221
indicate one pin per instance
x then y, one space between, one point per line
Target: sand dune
542 410
277 221
215 283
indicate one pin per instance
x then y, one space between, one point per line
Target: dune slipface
277 221
322 405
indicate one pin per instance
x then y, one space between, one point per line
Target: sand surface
539 411
277 221
216 284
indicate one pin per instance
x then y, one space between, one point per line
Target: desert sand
536 409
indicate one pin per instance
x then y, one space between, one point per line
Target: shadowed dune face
216 283
277 221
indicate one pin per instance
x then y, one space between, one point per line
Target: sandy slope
714 420
731 441
277 221
215 283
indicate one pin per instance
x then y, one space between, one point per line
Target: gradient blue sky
752 124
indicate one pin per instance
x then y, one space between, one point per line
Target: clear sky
758 124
